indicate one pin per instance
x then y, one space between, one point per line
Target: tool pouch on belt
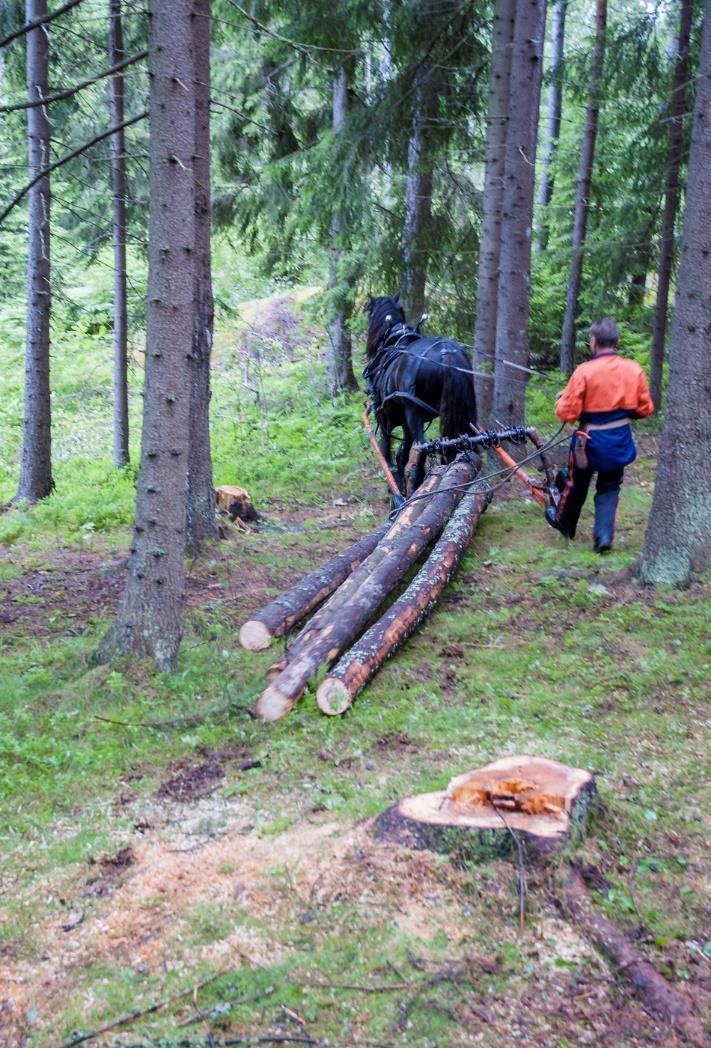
580 450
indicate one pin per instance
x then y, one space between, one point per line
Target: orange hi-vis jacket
602 385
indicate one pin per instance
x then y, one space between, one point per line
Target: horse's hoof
396 501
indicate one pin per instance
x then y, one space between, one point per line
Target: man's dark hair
605 332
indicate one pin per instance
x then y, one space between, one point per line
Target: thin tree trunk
340 363
582 196
150 617
36 463
118 189
418 196
678 538
555 106
675 149
488 279
517 211
201 521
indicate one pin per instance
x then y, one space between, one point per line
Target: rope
488 489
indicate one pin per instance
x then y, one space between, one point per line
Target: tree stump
530 801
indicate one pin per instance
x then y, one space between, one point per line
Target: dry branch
338 631
66 158
290 607
37 22
58 96
362 662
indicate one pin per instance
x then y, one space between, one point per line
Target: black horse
412 379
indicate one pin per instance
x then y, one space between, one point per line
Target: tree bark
290 607
489 253
678 538
582 196
118 189
418 194
36 462
517 211
555 106
340 363
150 617
337 692
338 631
201 521
675 148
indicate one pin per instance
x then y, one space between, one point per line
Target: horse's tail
457 408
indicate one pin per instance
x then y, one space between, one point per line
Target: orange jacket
605 383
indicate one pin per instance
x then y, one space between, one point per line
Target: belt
607 425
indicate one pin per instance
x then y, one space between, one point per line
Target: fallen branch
37 22
58 96
138 1013
654 991
352 673
65 160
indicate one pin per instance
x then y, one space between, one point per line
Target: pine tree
36 463
150 617
517 212
118 189
678 538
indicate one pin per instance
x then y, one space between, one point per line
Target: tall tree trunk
517 211
201 521
340 364
582 196
555 106
418 196
36 463
678 538
489 252
675 147
150 617
118 189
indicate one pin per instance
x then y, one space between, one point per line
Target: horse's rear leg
416 435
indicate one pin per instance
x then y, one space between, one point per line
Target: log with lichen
338 626
292 606
337 692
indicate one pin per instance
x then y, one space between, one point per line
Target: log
657 995
338 631
290 607
404 520
485 813
337 692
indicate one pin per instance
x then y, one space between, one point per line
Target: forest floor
170 862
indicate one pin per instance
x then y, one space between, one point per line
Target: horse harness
396 341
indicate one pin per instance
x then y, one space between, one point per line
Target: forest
322 725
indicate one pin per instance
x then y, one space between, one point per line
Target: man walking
604 393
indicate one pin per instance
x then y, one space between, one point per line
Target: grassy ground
155 836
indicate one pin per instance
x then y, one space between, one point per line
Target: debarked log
404 520
337 692
290 607
334 635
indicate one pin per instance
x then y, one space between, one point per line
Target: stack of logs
350 588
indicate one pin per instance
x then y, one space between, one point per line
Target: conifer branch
29 26
65 159
58 96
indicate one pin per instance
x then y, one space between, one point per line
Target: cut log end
538 802
333 697
254 636
273 704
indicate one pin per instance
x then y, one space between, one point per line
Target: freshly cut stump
482 813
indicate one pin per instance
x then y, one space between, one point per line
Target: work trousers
607 495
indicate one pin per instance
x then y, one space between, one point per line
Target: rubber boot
604 527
